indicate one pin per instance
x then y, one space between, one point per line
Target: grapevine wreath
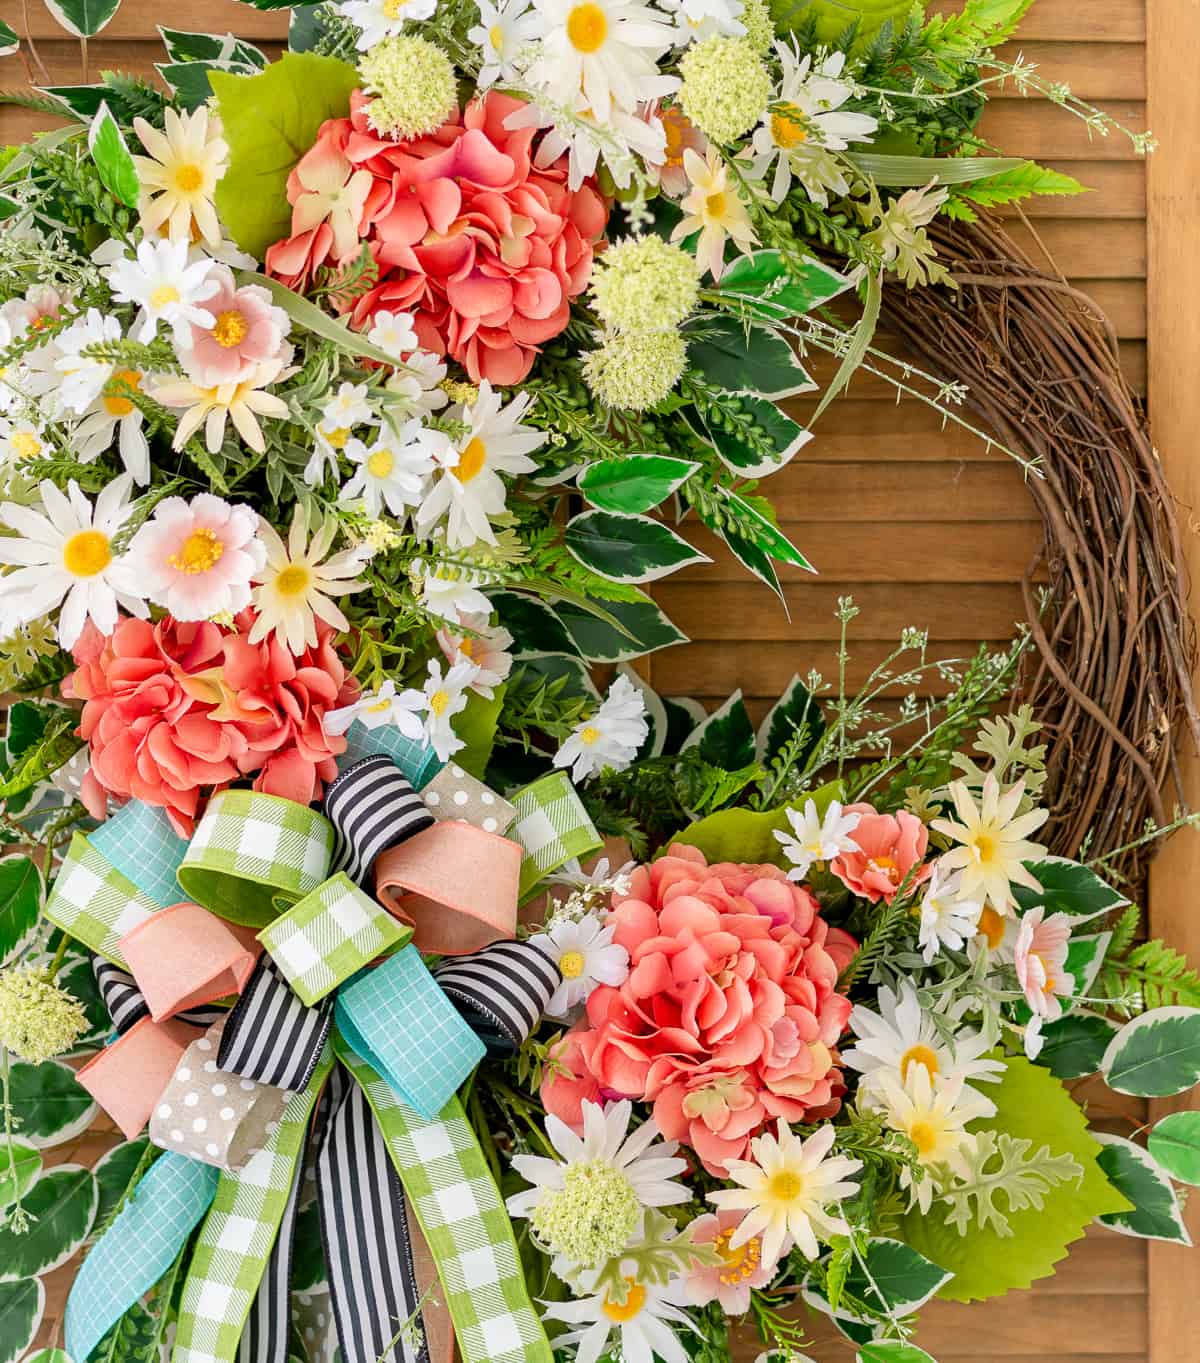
452 991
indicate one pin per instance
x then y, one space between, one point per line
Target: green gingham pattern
456 1201
94 903
140 842
552 826
415 758
252 851
328 935
238 1234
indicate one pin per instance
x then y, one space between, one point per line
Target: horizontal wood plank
812 490
1031 126
1092 70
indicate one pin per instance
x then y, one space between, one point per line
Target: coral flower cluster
484 245
730 1016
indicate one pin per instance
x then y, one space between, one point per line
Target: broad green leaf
305 27
81 101
896 1278
58 744
893 1351
50 1106
796 709
1156 1214
856 1329
683 715
1156 1055
566 667
476 726
1032 1105
747 359
726 738
1085 956
1068 887
750 556
112 157
21 1306
20 1164
534 626
638 483
779 432
9 42
210 47
646 628
20 898
1074 1045
78 978
61 1207
628 548
748 835
1175 1145
763 283
769 538
113 1173
829 19
308 1258
189 81
83 18
270 120
902 172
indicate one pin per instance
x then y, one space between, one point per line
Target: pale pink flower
482 644
246 330
729 1282
1040 958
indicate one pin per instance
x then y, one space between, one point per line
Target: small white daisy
82 377
611 737
445 696
160 280
503 35
947 919
586 955
349 407
696 20
415 388
379 19
814 838
394 471
483 644
374 709
393 332
450 594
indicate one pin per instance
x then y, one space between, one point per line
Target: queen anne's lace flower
38 1019
725 89
413 83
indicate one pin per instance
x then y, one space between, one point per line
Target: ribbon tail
265 1337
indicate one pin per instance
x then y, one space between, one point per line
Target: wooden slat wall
923 526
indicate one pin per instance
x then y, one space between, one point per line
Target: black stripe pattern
372 807
126 1004
265 1334
501 991
364 1230
271 1036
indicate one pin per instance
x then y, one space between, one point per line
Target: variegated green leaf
1156 1214
83 18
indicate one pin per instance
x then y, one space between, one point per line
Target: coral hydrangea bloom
730 1015
889 846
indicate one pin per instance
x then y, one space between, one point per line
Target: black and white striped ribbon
372 807
265 1334
126 1004
271 1036
502 991
364 1230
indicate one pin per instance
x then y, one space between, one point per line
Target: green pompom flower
592 1217
756 19
726 87
634 370
413 84
38 1020
645 285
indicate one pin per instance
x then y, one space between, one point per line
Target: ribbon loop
125 1004
127 1077
415 758
139 841
184 957
456 794
501 991
94 903
553 827
372 807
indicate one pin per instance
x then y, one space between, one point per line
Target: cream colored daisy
242 403
295 587
180 175
712 207
994 845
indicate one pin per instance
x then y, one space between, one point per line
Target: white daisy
393 471
115 415
470 488
349 407
642 1323
814 838
947 919
902 1036
160 280
504 32
393 332
483 644
415 388
574 132
374 709
379 19
63 555
450 594
21 440
586 955
933 1115
696 20
611 738
81 377
995 848
445 696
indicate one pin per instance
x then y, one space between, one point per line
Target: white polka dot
212 1149
461 797
247 1085
432 799
199 1125
456 771
226 1114
321 1318
165 1111
489 825
177 1135
183 1074
487 797
218 1090
191 1099
204 1044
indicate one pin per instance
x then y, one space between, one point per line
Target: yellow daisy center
438 702
714 205
991 925
188 177
737 1264
918 1055
379 707
570 965
392 9
87 553
467 647
496 38
293 581
337 439
164 296
589 735
787 127
620 1313
116 403
25 445
923 1136
785 1186
230 329
471 461
985 848
587 27
198 553
381 463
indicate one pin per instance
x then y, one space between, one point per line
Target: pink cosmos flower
247 330
1040 958
729 1282
890 846
681 135
486 646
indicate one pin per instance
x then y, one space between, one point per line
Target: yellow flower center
923 1136
115 401
674 127
164 296
337 439
631 1307
886 866
471 461
198 553
438 702
991 924
570 965
496 38
589 735
188 177
918 1055
714 205
87 553
230 329
737 1264
587 27
985 848
293 581
787 126
785 1186
381 463
379 707
467 647
392 9
25 445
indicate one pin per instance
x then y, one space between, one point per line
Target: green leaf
534 626
61 1207
829 19
628 548
748 835
308 1258
646 628
903 172
1024 180
771 424
306 27
638 483
1074 1045
21 1307
749 555
183 46
796 709
83 18
80 101
57 746
766 536
20 1164
1030 1105
767 287
1156 1055
897 1280
726 738
1175 1146
270 120
112 157
1085 956
9 42
48 1103
476 726
78 978
1068 887
1156 1214
747 359
893 1351
683 714
48 1356
189 81
311 318
860 342
20 899
113 1173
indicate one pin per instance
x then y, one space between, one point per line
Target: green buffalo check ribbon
253 854
328 936
552 826
460 1211
94 903
238 1235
